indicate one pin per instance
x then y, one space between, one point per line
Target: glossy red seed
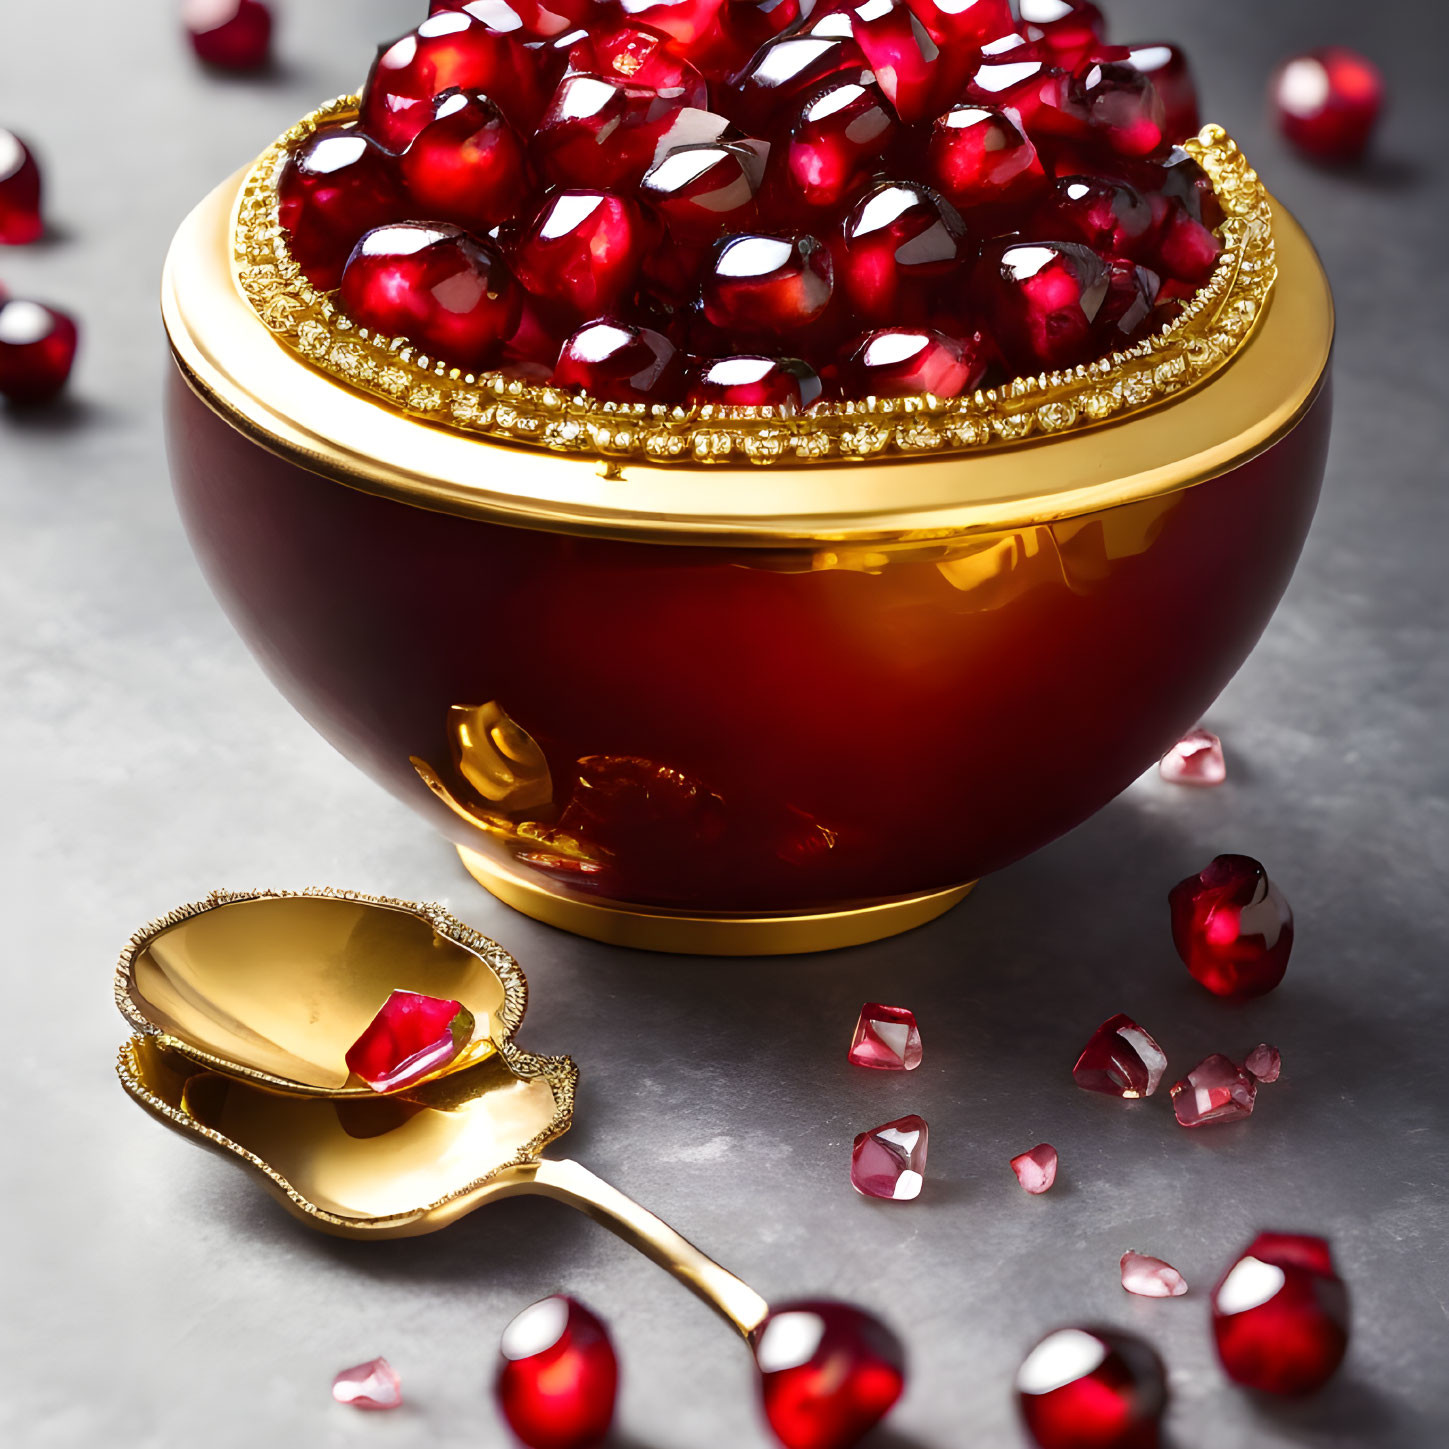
1280 1315
1070 28
889 1161
785 73
1215 1091
903 361
558 1376
1092 1388
917 76
466 165
979 157
335 186
37 350
1120 1060
1122 107
783 383
1232 927
766 286
442 289
1128 314
1012 76
1328 102
886 1039
702 191
583 252
1167 68
837 137
1041 301
828 1373
538 18
20 187
897 247
1186 250
229 34
453 51
620 363
411 1037
965 24
1111 217
684 21
639 58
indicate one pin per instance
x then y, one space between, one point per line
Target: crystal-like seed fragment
1265 1062
887 1038
890 1161
411 1037
371 1385
1216 1090
1280 1315
1232 927
1149 1277
1196 759
1036 1170
1120 1060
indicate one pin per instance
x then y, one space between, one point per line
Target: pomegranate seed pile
760 202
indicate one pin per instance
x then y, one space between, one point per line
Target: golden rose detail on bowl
1213 325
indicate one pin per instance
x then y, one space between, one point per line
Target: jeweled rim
1214 326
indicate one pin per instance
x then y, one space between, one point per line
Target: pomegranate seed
1121 1060
886 1038
901 361
1167 68
537 18
702 190
437 286
1042 300
1196 759
967 24
1092 1388
767 285
1232 927
1265 1062
1128 313
835 139
1122 106
1328 102
828 1373
619 363
1036 1170
37 350
1187 250
639 58
786 72
1111 217
783 383
1280 1315
981 157
557 1376
20 218
411 1037
584 250
466 165
229 34
914 74
1151 1277
890 1161
336 186
371 1385
452 51
1071 29
682 20
1217 1090
898 245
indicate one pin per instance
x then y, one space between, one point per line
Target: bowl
720 681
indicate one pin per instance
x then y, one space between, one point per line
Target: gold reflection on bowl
274 988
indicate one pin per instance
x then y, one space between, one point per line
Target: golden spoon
244 1006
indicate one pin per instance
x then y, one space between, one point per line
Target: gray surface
154 1296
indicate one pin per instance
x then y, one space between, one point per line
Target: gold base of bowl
685 933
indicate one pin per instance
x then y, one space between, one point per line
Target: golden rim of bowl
1212 329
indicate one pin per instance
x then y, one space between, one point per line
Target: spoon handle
735 1301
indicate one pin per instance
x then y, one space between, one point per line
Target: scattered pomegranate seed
1232 927
1092 1388
1280 1315
1264 1062
1196 759
37 350
229 34
886 1038
890 1161
1328 102
1149 1277
1036 1170
410 1038
437 286
1120 1060
1216 1090
371 1385
20 218
828 1373
557 1376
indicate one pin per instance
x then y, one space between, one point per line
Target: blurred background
154 1296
